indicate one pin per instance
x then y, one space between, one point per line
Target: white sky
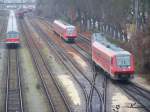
9 1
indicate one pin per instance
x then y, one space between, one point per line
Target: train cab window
123 61
70 30
12 35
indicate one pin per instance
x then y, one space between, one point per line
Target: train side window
98 54
111 61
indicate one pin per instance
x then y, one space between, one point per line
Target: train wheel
94 65
54 32
61 38
66 40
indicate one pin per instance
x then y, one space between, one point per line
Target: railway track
92 89
83 38
83 47
72 67
72 72
2 30
57 100
145 92
140 95
13 100
87 56
78 48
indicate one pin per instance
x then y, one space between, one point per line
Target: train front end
12 35
71 33
122 66
12 39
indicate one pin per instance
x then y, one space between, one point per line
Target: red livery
118 63
12 36
64 30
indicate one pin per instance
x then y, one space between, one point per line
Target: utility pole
22 3
3 4
137 15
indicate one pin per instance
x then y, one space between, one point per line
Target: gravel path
2 78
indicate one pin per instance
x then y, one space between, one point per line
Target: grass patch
38 86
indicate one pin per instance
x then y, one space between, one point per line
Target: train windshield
12 35
70 30
123 61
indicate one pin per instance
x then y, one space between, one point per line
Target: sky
16 0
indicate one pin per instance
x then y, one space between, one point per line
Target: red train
20 13
12 36
64 30
118 63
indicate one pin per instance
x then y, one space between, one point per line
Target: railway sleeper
16 101
14 109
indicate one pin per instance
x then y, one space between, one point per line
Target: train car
12 35
20 14
64 30
118 63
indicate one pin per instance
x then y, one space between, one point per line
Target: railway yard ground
55 76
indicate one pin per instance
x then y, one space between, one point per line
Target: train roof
12 23
63 24
107 46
